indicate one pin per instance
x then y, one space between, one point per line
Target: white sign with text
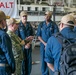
9 7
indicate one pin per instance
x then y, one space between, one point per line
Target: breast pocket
22 29
50 32
43 32
22 32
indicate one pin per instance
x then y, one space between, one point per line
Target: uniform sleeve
38 30
48 53
52 52
7 49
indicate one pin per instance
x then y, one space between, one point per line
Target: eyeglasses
24 16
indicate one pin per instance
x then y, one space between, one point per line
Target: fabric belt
3 65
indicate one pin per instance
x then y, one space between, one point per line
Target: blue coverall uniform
6 55
74 29
53 47
45 31
23 32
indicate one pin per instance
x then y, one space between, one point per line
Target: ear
2 22
62 25
12 25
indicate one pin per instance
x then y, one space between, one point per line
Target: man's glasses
24 16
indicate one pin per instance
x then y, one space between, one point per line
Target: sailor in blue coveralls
7 62
54 47
25 30
44 31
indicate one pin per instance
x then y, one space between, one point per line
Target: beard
48 20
